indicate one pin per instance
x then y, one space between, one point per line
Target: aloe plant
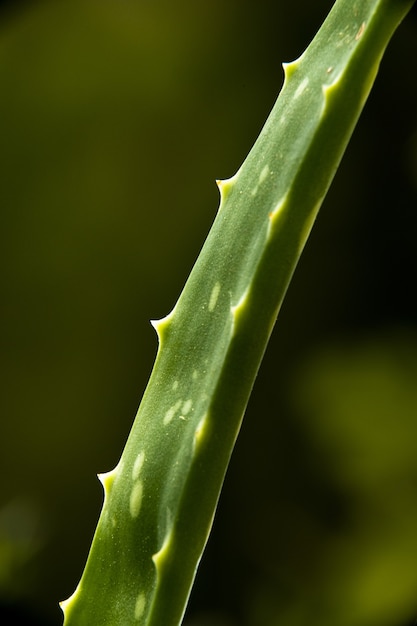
161 497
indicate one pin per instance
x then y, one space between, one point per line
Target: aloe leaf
161 498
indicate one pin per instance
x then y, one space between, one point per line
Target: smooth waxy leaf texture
161 498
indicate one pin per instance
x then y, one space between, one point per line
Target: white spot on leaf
186 407
214 296
138 465
264 174
135 502
170 414
360 31
140 606
301 88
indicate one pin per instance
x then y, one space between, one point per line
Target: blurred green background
116 117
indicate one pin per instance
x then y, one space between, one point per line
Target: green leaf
161 498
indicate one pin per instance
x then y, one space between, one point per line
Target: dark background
115 120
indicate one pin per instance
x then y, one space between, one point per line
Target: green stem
161 498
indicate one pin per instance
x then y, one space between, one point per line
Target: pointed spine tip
290 68
225 187
161 326
66 605
155 324
107 479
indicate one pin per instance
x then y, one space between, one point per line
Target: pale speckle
137 466
301 88
360 31
170 414
186 407
345 36
135 502
175 385
264 173
195 374
140 606
214 296
262 176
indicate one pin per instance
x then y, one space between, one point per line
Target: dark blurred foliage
115 120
